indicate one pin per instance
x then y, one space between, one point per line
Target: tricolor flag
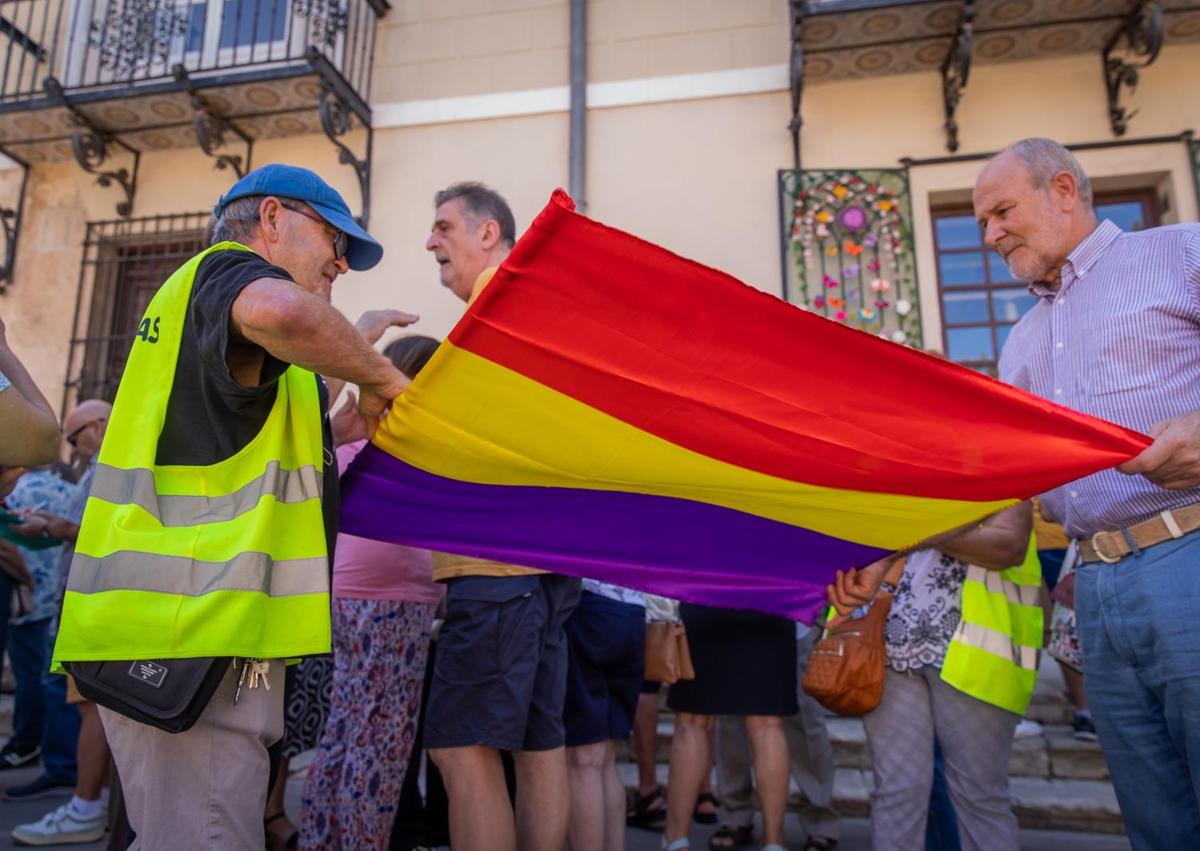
608 409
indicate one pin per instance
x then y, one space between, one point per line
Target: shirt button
1074 494
1057 391
1058 345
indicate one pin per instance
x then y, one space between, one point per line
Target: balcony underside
846 39
268 104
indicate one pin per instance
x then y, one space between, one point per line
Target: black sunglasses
73 437
341 242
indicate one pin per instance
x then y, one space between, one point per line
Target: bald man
84 817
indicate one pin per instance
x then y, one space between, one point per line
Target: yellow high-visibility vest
179 561
993 655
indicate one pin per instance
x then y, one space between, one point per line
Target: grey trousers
811 758
976 739
204 789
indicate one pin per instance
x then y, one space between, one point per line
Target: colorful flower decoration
873 266
830 282
819 302
824 217
822 230
870 240
851 271
840 316
840 191
881 304
832 251
866 314
884 206
879 285
853 218
899 336
903 306
852 248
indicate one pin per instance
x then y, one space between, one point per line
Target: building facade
822 150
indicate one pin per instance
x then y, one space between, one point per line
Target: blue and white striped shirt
1120 339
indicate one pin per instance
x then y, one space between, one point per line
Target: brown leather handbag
845 669
668 659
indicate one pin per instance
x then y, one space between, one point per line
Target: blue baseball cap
301 184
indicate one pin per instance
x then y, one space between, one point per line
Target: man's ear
1064 190
270 212
490 235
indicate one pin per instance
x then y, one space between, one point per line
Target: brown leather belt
1111 547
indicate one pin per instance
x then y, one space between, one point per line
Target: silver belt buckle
1099 553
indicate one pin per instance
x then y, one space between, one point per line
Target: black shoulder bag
168 694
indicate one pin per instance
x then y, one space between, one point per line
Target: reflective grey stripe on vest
136 487
996 643
1021 595
134 571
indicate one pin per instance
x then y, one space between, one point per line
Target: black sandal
641 811
729 838
705 818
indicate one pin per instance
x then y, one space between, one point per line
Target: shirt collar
1080 261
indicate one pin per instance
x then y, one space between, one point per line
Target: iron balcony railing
108 44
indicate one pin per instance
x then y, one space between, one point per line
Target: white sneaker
1027 729
63 826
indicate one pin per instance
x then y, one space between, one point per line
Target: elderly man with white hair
1115 333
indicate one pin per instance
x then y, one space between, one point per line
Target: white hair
1044 158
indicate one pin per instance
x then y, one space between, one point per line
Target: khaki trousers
204 789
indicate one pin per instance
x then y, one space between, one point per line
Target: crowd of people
482 706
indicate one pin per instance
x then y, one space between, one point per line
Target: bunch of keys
257 669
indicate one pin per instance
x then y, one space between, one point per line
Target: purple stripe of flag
677 548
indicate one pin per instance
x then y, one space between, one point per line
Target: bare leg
585 829
614 802
481 817
542 799
281 829
769 744
1075 692
92 754
645 741
691 761
597 821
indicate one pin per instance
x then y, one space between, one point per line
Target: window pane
1002 334
957 232
998 269
1008 305
195 27
246 22
963 307
959 269
970 343
1128 215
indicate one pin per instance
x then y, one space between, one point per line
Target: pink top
374 570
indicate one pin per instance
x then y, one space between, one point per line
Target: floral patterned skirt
380 648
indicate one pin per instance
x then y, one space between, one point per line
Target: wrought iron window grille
10 225
124 263
847 249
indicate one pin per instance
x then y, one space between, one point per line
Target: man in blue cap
216 543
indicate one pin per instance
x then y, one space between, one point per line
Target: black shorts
606 653
499 675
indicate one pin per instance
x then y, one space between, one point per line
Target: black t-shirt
210 417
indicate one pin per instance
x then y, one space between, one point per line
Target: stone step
1088 806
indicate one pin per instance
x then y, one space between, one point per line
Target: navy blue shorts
606 651
499 675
